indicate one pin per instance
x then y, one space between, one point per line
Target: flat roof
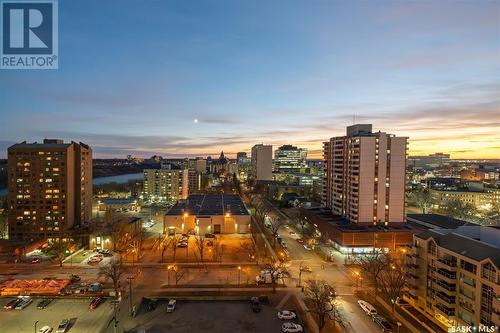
437 221
210 204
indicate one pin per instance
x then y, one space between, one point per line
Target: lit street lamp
239 274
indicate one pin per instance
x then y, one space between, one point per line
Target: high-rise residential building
365 176
262 162
50 188
166 184
454 276
288 158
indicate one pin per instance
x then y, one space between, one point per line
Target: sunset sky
181 78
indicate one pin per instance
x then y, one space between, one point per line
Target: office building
50 188
288 158
454 276
262 162
198 164
208 213
365 176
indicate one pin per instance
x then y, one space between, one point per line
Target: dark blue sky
134 75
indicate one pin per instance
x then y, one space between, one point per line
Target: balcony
445 311
446 274
448 300
447 264
447 288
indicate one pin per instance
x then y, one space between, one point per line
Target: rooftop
210 204
434 221
474 249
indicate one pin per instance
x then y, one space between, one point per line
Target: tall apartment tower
50 188
365 176
262 162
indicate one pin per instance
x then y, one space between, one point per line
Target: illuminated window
26 212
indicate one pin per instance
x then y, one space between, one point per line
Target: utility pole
130 278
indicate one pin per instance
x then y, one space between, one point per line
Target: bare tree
392 281
372 264
261 208
318 293
112 271
250 249
275 224
201 244
217 250
173 243
276 271
423 199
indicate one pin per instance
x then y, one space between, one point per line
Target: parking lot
83 319
216 316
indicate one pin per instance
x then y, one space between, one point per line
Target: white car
171 305
307 247
287 314
367 308
291 328
45 329
96 258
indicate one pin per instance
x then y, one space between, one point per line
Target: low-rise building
208 213
454 276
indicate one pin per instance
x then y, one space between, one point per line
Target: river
120 179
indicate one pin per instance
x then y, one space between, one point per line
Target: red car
300 241
96 302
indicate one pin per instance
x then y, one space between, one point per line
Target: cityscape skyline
211 77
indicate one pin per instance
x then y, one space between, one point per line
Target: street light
36 323
399 325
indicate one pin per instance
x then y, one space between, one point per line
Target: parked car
291 328
63 326
24 303
254 301
367 308
307 247
36 260
96 258
287 314
43 303
300 241
12 304
171 305
182 244
96 302
45 329
209 236
383 323
293 233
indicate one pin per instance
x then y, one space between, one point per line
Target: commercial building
262 162
165 184
365 176
480 199
198 164
50 188
208 213
454 276
288 158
